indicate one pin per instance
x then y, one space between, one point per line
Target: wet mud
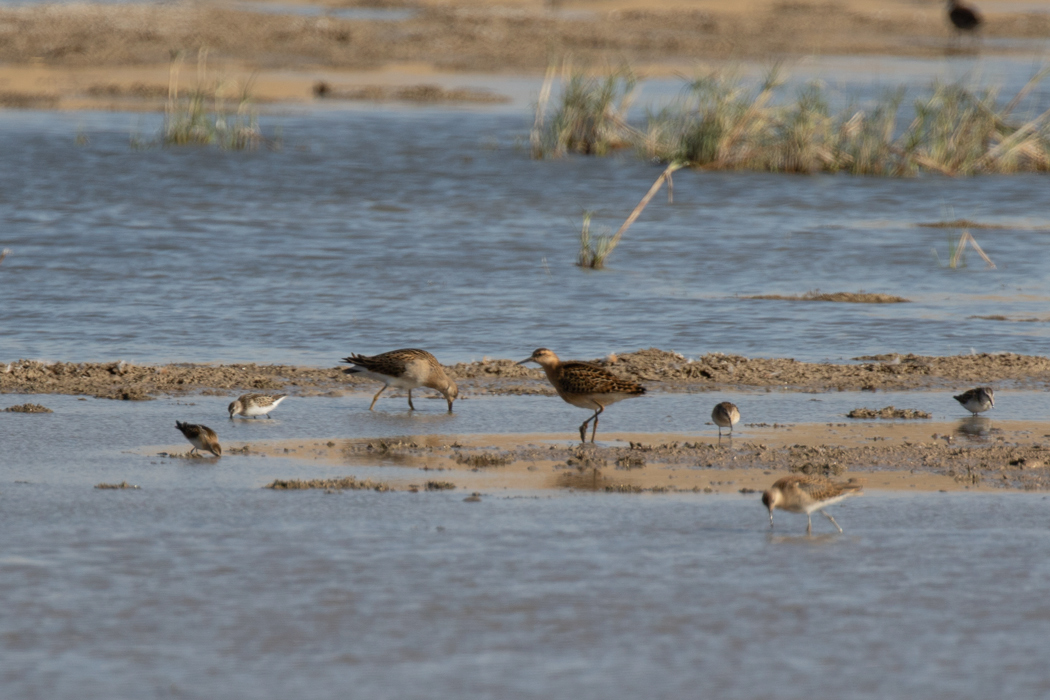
971 454
660 370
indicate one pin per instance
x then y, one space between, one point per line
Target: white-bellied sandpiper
725 415
977 400
585 385
201 437
256 405
404 369
805 494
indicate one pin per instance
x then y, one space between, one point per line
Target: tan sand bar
106 56
920 457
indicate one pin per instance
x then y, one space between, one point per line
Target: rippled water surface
379 228
375 228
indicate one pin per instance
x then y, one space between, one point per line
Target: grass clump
725 123
206 114
590 117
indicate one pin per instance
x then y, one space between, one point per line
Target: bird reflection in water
974 428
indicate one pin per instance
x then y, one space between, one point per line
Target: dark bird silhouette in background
965 19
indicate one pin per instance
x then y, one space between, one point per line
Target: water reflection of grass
725 123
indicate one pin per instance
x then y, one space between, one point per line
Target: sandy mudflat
659 370
972 455
79 56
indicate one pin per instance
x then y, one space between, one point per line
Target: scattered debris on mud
344 483
889 413
406 93
841 297
121 485
28 408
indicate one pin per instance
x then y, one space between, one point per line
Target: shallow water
202 584
376 228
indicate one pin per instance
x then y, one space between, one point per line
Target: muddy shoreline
658 370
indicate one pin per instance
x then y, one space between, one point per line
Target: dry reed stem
666 175
968 238
536 137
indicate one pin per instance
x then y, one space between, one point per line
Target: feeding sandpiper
585 385
201 437
805 494
725 415
256 405
977 400
405 369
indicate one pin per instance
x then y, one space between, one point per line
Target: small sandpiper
405 369
201 437
585 385
977 400
725 415
805 494
256 405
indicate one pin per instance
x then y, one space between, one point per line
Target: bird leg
376 397
809 524
832 521
410 406
594 431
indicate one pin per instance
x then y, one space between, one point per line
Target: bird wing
585 378
393 363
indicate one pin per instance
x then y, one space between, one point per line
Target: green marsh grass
723 122
590 118
205 115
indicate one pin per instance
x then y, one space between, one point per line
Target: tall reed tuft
201 116
590 117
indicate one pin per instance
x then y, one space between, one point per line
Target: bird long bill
771 517
527 359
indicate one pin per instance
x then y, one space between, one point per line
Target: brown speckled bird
585 385
725 415
805 494
404 369
201 437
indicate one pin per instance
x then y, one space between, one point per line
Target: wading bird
725 415
977 400
405 369
805 494
201 437
585 385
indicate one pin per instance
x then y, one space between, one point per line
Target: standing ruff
585 385
201 437
725 415
404 369
805 494
977 400
255 405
